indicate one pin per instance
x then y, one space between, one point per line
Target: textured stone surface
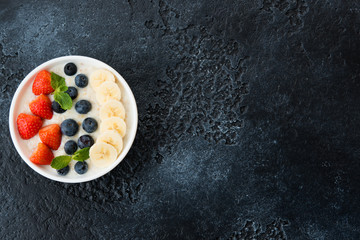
248 119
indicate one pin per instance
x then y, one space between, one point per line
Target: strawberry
41 107
28 125
51 136
42 155
42 83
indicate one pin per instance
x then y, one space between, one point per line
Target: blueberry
70 147
90 125
69 127
63 171
85 141
57 108
81 80
70 69
83 106
81 167
72 91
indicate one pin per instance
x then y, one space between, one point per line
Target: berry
89 125
57 108
51 136
70 147
42 83
63 171
42 155
81 80
83 106
81 167
69 127
28 125
72 91
70 69
41 107
85 141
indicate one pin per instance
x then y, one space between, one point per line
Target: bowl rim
13 129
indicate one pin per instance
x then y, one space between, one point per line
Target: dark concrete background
248 119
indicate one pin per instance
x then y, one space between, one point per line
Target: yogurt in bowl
104 110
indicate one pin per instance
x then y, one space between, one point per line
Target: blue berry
83 106
90 125
70 147
57 108
63 171
81 167
72 91
69 127
85 141
81 80
70 69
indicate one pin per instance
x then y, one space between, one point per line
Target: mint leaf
82 154
59 85
58 82
63 88
63 99
60 162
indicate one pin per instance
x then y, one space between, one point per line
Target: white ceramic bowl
46 171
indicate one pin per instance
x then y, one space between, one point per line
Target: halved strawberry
42 83
41 107
28 125
42 155
51 136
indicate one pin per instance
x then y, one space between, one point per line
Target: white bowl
46 171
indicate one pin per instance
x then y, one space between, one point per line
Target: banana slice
113 138
107 91
112 108
100 76
102 154
114 123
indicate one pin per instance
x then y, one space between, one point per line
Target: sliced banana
107 91
114 123
100 76
113 138
112 108
102 154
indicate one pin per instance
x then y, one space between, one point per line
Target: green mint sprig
81 155
62 161
60 95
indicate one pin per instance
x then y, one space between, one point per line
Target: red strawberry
51 136
28 125
42 83
41 107
42 155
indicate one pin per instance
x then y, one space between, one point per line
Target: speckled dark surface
248 119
